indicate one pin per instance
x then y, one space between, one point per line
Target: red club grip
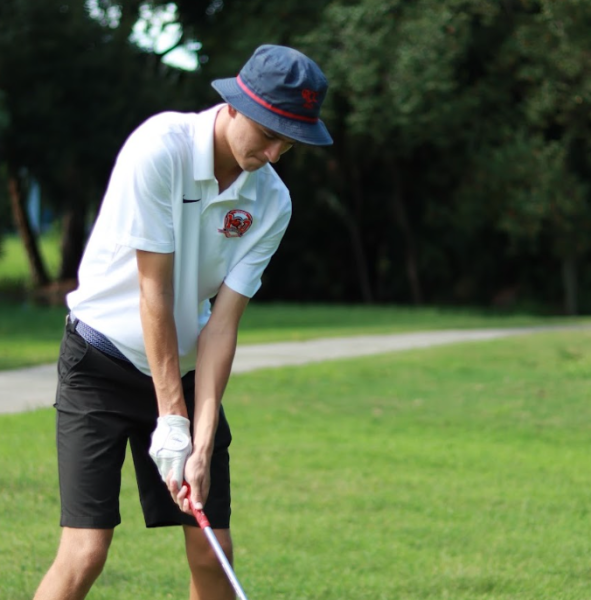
202 520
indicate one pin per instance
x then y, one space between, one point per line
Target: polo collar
245 184
203 144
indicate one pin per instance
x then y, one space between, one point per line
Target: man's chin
253 164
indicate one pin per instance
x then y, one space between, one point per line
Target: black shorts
102 402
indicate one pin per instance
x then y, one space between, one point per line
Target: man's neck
225 167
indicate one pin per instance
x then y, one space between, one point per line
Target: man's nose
274 151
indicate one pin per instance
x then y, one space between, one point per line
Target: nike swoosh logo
187 201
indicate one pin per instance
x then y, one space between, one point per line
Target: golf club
210 535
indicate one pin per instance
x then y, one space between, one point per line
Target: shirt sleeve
141 184
245 277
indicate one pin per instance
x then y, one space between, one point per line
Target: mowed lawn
31 335
459 472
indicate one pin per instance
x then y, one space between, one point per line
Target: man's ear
232 111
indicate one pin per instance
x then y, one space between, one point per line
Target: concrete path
34 387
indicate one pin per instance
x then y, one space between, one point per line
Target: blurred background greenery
460 173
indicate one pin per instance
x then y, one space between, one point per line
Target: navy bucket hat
281 89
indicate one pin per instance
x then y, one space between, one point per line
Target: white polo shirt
163 197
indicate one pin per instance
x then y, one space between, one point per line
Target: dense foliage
74 89
4 208
460 172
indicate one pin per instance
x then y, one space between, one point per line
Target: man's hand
171 446
197 475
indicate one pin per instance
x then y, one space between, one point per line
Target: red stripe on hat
272 108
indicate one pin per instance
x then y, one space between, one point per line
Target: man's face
254 145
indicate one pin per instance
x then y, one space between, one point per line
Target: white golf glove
171 446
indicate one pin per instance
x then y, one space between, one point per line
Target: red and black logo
310 97
236 223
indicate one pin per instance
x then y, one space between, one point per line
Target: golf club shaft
213 541
225 563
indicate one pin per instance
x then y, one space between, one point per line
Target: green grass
457 472
14 268
292 322
31 335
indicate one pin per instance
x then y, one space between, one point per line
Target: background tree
452 116
75 88
534 176
4 205
409 93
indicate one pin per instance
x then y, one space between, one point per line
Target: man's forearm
215 354
161 344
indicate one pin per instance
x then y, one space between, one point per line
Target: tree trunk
412 268
349 185
72 244
356 243
570 283
357 237
360 261
39 274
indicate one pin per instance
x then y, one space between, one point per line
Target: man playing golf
193 211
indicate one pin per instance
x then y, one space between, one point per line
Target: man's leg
208 580
81 556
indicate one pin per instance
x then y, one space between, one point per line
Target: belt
97 339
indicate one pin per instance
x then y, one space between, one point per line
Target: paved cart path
34 387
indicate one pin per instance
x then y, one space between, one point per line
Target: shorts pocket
73 350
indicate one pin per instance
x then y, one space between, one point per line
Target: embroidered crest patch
236 223
310 98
